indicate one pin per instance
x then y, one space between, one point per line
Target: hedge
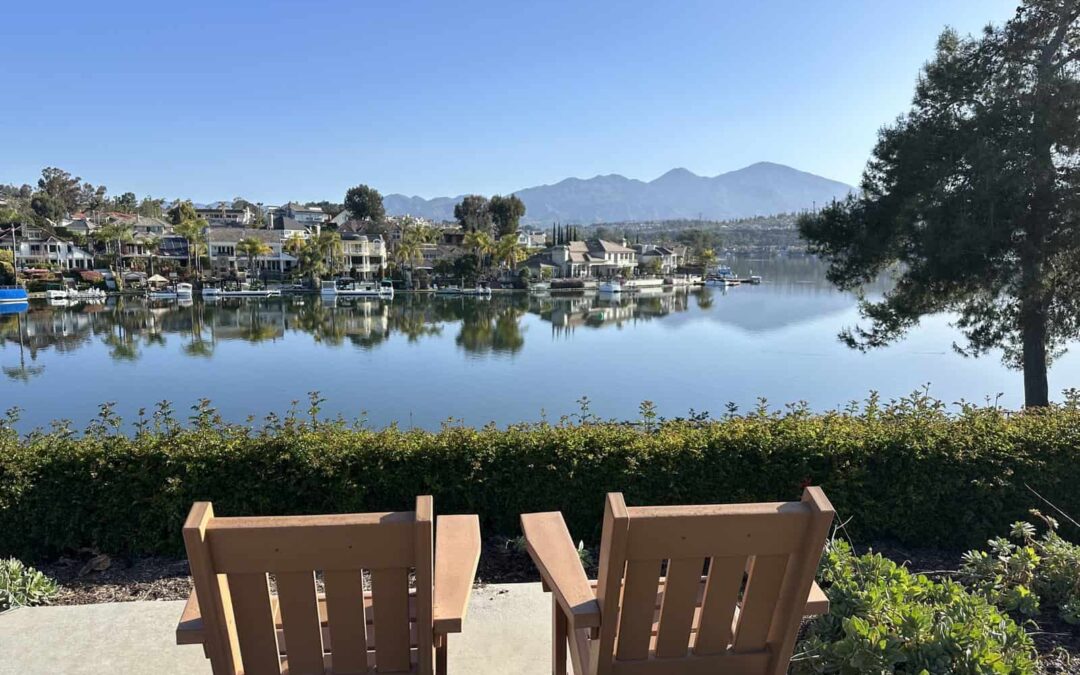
910 471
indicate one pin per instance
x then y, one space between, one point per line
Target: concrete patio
507 631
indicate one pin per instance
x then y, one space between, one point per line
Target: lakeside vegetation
908 471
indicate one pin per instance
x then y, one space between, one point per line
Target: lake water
420 360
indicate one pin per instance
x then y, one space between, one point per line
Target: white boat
721 282
328 288
358 291
53 295
85 294
211 292
482 290
384 289
181 291
613 286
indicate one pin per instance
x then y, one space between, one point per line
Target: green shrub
22 586
883 619
1034 573
908 472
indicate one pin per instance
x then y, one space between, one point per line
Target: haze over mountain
759 189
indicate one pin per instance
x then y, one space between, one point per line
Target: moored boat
213 292
482 289
13 294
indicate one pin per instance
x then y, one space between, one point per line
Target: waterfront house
669 258
226 259
433 253
40 246
592 258
173 249
365 255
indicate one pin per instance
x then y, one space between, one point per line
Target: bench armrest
817 604
457 553
189 630
551 548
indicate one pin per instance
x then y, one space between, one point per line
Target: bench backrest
250 630
688 589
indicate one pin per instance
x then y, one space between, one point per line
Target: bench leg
440 656
558 638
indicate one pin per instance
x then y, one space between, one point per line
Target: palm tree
426 234
408 251
252 247
330 248
192 231
152 245
480 243
114 234
294 246
509 251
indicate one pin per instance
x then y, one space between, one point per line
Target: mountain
759 189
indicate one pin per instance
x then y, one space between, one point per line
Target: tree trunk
1033 329
1035 296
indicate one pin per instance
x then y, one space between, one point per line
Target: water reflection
421 359
796 289
129 327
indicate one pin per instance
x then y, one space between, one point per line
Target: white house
225 257
35 245
592 258
669 258
365 255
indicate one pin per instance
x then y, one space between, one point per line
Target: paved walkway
507 631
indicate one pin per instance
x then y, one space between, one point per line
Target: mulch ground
90 578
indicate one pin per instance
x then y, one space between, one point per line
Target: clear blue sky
299 100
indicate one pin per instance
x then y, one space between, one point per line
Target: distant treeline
775 231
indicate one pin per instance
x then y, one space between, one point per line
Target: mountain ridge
762 188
